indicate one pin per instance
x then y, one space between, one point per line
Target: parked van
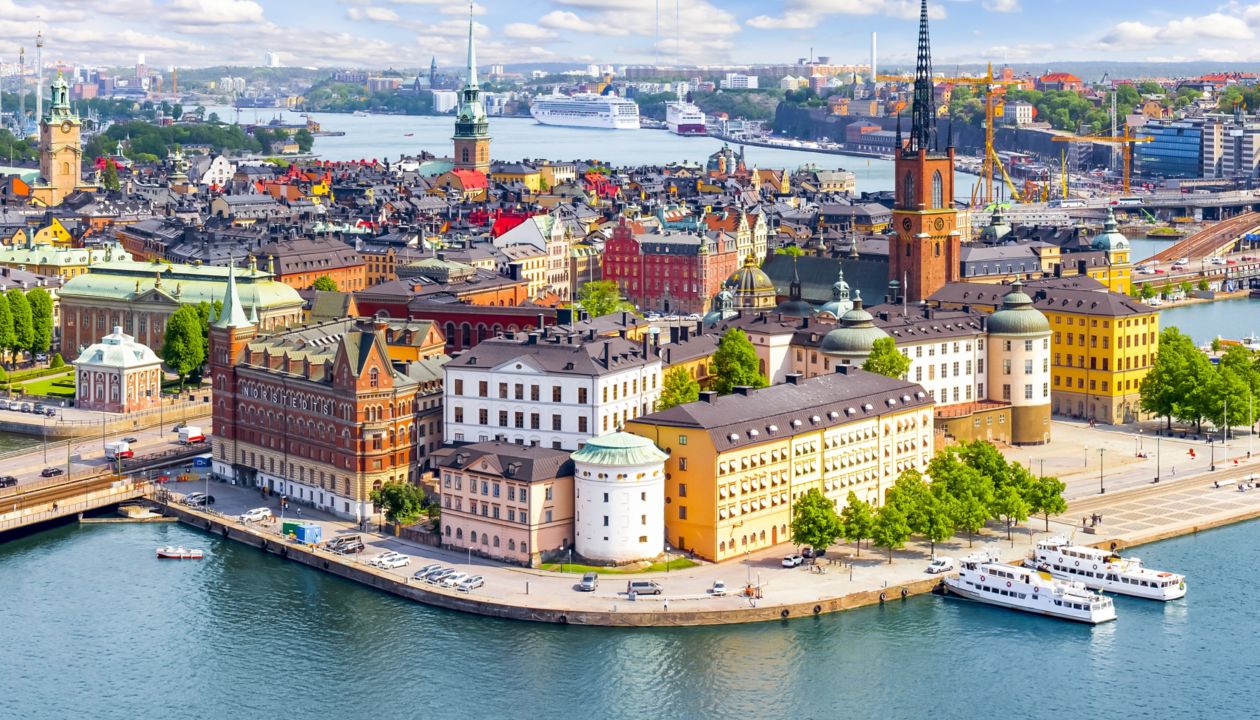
345 544
643 587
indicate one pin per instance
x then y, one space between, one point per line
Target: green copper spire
233 314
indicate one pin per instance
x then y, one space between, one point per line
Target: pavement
82 454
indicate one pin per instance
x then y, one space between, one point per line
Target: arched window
496 541
938 190
450 332
459 533
512 545
374 377
937 249
466 335
472 536
65 168
907 191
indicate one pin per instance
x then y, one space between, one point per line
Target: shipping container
310 534
290 527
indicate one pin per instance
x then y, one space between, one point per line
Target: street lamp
1157 438
1101 490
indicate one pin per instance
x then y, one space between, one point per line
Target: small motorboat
409 134
179 553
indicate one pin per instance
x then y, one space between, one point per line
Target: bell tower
925 253
230 334
472 127
60 149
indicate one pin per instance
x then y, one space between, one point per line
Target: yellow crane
991 88
1126 140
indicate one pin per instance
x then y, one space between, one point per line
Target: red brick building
671 271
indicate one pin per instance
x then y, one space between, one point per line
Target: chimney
709 396
793 378
673 333
541 321
744 390
532 338
607 354
844 369
883 315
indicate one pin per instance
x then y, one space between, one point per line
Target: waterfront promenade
1131 516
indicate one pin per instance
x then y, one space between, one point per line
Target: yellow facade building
60 150
737 463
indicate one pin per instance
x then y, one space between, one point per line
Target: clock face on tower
939 224
906 224
65 126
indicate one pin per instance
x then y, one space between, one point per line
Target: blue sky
405 33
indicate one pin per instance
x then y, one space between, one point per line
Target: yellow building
506 174
1117 272
738 462
529 263
60 150
54 233
65 262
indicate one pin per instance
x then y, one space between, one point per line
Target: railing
72 509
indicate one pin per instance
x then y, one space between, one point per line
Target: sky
406 33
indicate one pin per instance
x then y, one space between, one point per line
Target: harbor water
93 625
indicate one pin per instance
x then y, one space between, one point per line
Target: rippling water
91 625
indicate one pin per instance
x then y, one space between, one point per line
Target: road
81 454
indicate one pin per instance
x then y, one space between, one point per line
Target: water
94 626
1231 319
16 441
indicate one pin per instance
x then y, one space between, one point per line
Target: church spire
472 51
233 314
923 110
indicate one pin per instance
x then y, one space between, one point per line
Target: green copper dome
856 335
1018 316
619 449
1111 238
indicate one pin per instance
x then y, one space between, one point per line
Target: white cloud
212 12
527 31
788 21
1002 6
565 20
1212 27
372 14
802 14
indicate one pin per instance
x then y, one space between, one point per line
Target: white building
273 59
118 375
739 81
216 170
444 101
554 389
619 499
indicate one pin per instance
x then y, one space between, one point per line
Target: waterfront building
925 253
509 502
619 498
141 297
60 150
321 413
118 375
551 388
672 271
472 126
737 463
1175 149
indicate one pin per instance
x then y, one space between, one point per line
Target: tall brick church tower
926 251
230 333
472 126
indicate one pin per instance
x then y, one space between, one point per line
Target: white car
1181 262
193 498
793 560
718 589
454 579
419 574
394 562
1218 260
256 515
382 557
471 583
940 565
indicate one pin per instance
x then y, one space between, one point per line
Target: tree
401 501
1045 496
1009 505
735 363
57 362
891 529
23 325
304 139
886 359
677 388
6 323
601 298
109 176
814 521
1146 292
1202 285
183 349
936 518
857 521
790 250
1177 370
969 490
41 319
324 283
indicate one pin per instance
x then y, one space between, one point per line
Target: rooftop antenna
39 75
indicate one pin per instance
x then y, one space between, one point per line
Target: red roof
471 178
1059 77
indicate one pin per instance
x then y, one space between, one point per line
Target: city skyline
405 33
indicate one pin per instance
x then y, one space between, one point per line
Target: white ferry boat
609 112
684 118
1102 570
983 579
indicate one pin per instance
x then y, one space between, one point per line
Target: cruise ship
609 112
983 579
1102 570
684 118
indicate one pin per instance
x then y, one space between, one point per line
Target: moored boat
983 579
1102 570
171 552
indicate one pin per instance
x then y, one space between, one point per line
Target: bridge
1215 240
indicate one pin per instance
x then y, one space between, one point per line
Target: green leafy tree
57 361
886 359
109 177
23 323
814 521
1202 285
857 521
678 387
1185 287
936 518
401 501
891 529
970 492
602 297
325 284
1146 292
41 319
1045 497
304 140
791 250
1178 368
184 347
735 363
7 336
1010 506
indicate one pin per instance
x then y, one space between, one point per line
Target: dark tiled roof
523 463
564 354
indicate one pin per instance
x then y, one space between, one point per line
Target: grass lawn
58 386
675 564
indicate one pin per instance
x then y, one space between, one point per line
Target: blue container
309 534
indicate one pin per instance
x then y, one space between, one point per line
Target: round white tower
619 498
1019 365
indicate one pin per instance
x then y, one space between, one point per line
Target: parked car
15 405
718 589
190 498
383 557
590 581
50 412
471 583
437 577
1181 262
793 561
131 440
454 579
643 587
350 547
940 565
27 407
256 515
41 357
8 481
394 563
203 501
436 570
51 472
419 574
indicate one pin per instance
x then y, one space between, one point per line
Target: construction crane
991 88
1126 141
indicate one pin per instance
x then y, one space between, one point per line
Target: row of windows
486 538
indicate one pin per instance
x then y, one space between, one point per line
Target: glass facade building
1175 150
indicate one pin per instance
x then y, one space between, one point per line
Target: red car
162 478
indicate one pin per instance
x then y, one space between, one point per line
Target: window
1028 345
503 418
1028 367
682 463
582 396
459 414
682 439
503 391
533 393
534 421
1006 367
1006 392
582 424
519 391
605 521
555 394
682 512
483 389
1028 392
548 492
682 490
459 387
556 423
547 515
938 190
907 191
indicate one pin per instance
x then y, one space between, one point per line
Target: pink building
118 375
508 502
